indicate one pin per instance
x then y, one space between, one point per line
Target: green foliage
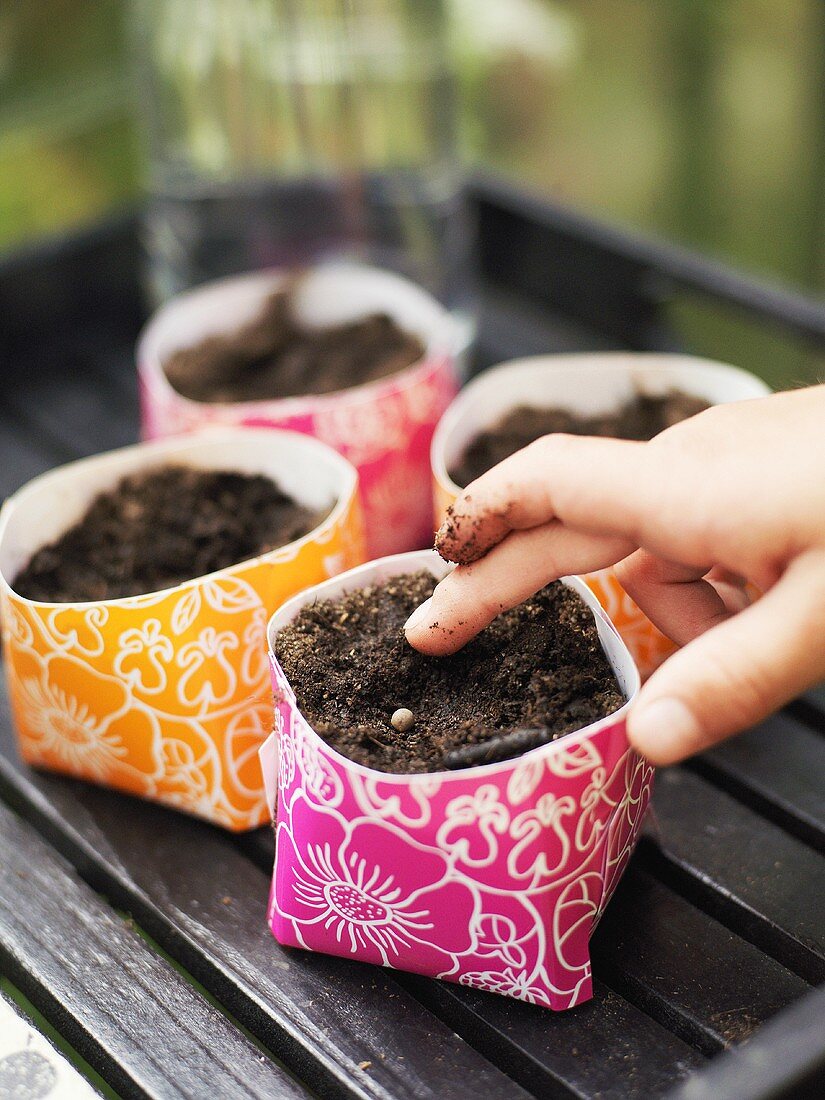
696 120
67 150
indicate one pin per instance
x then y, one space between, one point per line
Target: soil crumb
538 666
641 418
276 355
161 527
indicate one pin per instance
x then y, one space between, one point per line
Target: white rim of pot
144 456
440 334
680 371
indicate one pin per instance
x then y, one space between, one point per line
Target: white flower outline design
371 889
506 981
147 650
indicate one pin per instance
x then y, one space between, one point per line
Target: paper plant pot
492 877
384 428
588 384
165 695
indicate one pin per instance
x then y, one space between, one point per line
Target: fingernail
420 616
664 731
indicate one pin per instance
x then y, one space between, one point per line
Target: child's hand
733 495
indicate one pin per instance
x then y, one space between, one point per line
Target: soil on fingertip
161 527
537 666
277 355
463 539
642 418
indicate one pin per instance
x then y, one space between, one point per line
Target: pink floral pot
384 428
589 384
493 877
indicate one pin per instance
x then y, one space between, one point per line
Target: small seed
403 720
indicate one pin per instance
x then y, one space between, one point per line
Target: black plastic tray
714 940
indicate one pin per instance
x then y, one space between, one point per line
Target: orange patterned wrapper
587 384
166 695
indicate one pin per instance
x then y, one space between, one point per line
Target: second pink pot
384 428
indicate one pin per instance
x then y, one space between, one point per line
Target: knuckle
719 524
464 598
637 571
683 437
553 447
641 575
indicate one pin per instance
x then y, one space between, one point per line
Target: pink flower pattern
495 879
371 890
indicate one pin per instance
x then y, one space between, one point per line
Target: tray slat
75 396
745 871
777 768
679 965
124 1009
605 1048
782 1062
21 458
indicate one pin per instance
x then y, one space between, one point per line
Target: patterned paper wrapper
588 384
384 428
166 695
493 877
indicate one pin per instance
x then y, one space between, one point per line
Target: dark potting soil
159 528
538 666
641 418
276 355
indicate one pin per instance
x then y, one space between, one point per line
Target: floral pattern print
84 722
508 982
166 695
493 879
383 908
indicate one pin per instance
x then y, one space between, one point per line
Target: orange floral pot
587 384
166 695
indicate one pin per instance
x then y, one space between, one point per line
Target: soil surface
641 418
161 527
539 666
276 355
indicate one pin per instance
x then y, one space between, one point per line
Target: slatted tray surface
140 934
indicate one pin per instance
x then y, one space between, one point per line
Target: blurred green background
699 120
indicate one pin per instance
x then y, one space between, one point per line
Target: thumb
738 672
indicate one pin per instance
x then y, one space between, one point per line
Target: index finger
598 486
470 597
